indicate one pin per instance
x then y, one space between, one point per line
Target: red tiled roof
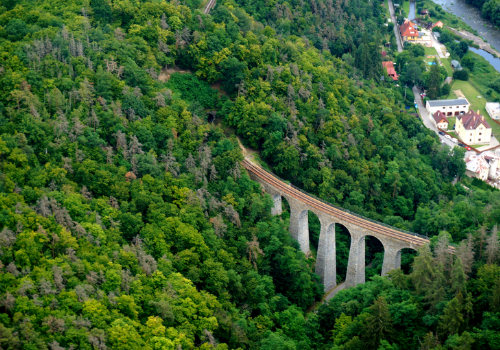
471 120
439 116
438 24
408 29
389 66
384 53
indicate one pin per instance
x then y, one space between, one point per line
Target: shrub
193 89
445 90
461 74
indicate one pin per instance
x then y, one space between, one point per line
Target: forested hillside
126 221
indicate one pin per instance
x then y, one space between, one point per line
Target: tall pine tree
434 81
423 270
378 323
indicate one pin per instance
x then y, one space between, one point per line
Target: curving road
328 209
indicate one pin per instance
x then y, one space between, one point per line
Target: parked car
454 140
441 133
461 145
467 148
448 137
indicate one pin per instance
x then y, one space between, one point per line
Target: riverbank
477 40
472 16
439 13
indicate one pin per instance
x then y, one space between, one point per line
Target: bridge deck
315 203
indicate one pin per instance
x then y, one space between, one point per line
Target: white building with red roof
473 129
440 120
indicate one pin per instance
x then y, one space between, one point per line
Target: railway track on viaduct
210 5
329 209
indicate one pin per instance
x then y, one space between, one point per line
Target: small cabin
455 65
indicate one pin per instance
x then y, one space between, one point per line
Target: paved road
396 27
437 45
334 292
427 119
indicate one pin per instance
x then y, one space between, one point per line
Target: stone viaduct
393 239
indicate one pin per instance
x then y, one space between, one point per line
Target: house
455 65
493 109
384 53
440 120
448 107
437 35
484 166
472 129
408 31
424 12
438 24
389 66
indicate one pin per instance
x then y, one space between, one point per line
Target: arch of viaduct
300 203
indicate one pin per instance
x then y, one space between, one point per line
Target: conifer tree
441 252
468 308
492 246
398 278
452 318
423 270
495 298
465 252
429 342
435 292
378 323
458 279
434 81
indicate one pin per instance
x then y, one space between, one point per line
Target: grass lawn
406 7
430 51
476 103
482 75
447 65
451 123
451 96
386 5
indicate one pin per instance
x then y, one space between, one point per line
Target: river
472 16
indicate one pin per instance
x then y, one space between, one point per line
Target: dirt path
459 94
248 152
167 71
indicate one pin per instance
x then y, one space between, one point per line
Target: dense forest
127 222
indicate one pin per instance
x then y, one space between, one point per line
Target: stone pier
326 256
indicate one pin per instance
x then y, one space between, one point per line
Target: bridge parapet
393 240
